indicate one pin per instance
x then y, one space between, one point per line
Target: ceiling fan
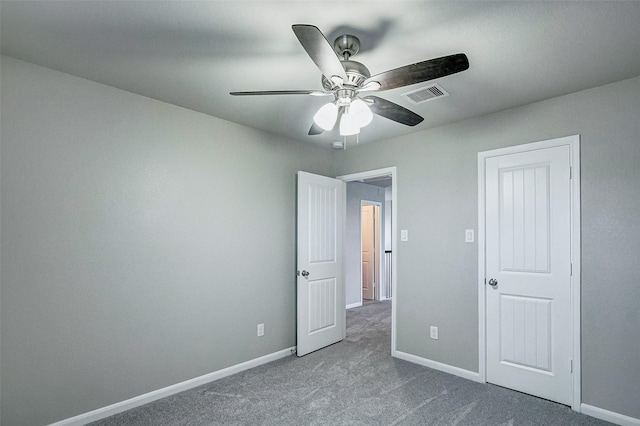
349 82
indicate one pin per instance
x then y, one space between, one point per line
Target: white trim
344 264
609 416
393 172
482 339
354 305
576 277
574 146
456 371
119 407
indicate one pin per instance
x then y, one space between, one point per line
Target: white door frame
388 171
574 146
376 291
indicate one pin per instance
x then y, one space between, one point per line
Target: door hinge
570 365
571 269
570 173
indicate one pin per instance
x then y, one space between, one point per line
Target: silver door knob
493 282
305 274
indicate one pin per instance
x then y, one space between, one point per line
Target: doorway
389 176
529 276
370 243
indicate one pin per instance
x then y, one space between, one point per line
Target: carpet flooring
353 382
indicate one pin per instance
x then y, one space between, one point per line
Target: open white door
368 252
321 293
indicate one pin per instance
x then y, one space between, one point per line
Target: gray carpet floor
354 382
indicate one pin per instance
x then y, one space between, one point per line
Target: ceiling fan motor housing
356 74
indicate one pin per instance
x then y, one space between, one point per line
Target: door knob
493 282
305 274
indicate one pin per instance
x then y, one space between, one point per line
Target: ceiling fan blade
392 111
420 71
320 51
282 92
315 130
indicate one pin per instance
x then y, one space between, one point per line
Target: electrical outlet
260 330
433 330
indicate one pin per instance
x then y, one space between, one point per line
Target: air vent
428 93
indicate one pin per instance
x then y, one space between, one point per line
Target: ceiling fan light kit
326 116
345 79
361 112
356 115
348 125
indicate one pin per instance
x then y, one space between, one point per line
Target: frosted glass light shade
348 125
362 115
326 116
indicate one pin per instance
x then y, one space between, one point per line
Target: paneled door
368 252
321 314
528 272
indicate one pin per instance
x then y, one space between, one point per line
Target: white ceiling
193 54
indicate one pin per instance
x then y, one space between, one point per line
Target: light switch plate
404 235
469 236
433 332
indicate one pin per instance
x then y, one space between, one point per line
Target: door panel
322 218
524 221
528 240
525 330
320 287
322 305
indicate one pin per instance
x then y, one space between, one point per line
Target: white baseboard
466 374
119 407
354 305
609 416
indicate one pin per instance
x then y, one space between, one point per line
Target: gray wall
125 224
139 248
437 196
388 219
356 192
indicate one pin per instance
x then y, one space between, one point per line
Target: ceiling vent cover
428 93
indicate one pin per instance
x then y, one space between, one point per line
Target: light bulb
348 125
326 116
362 115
